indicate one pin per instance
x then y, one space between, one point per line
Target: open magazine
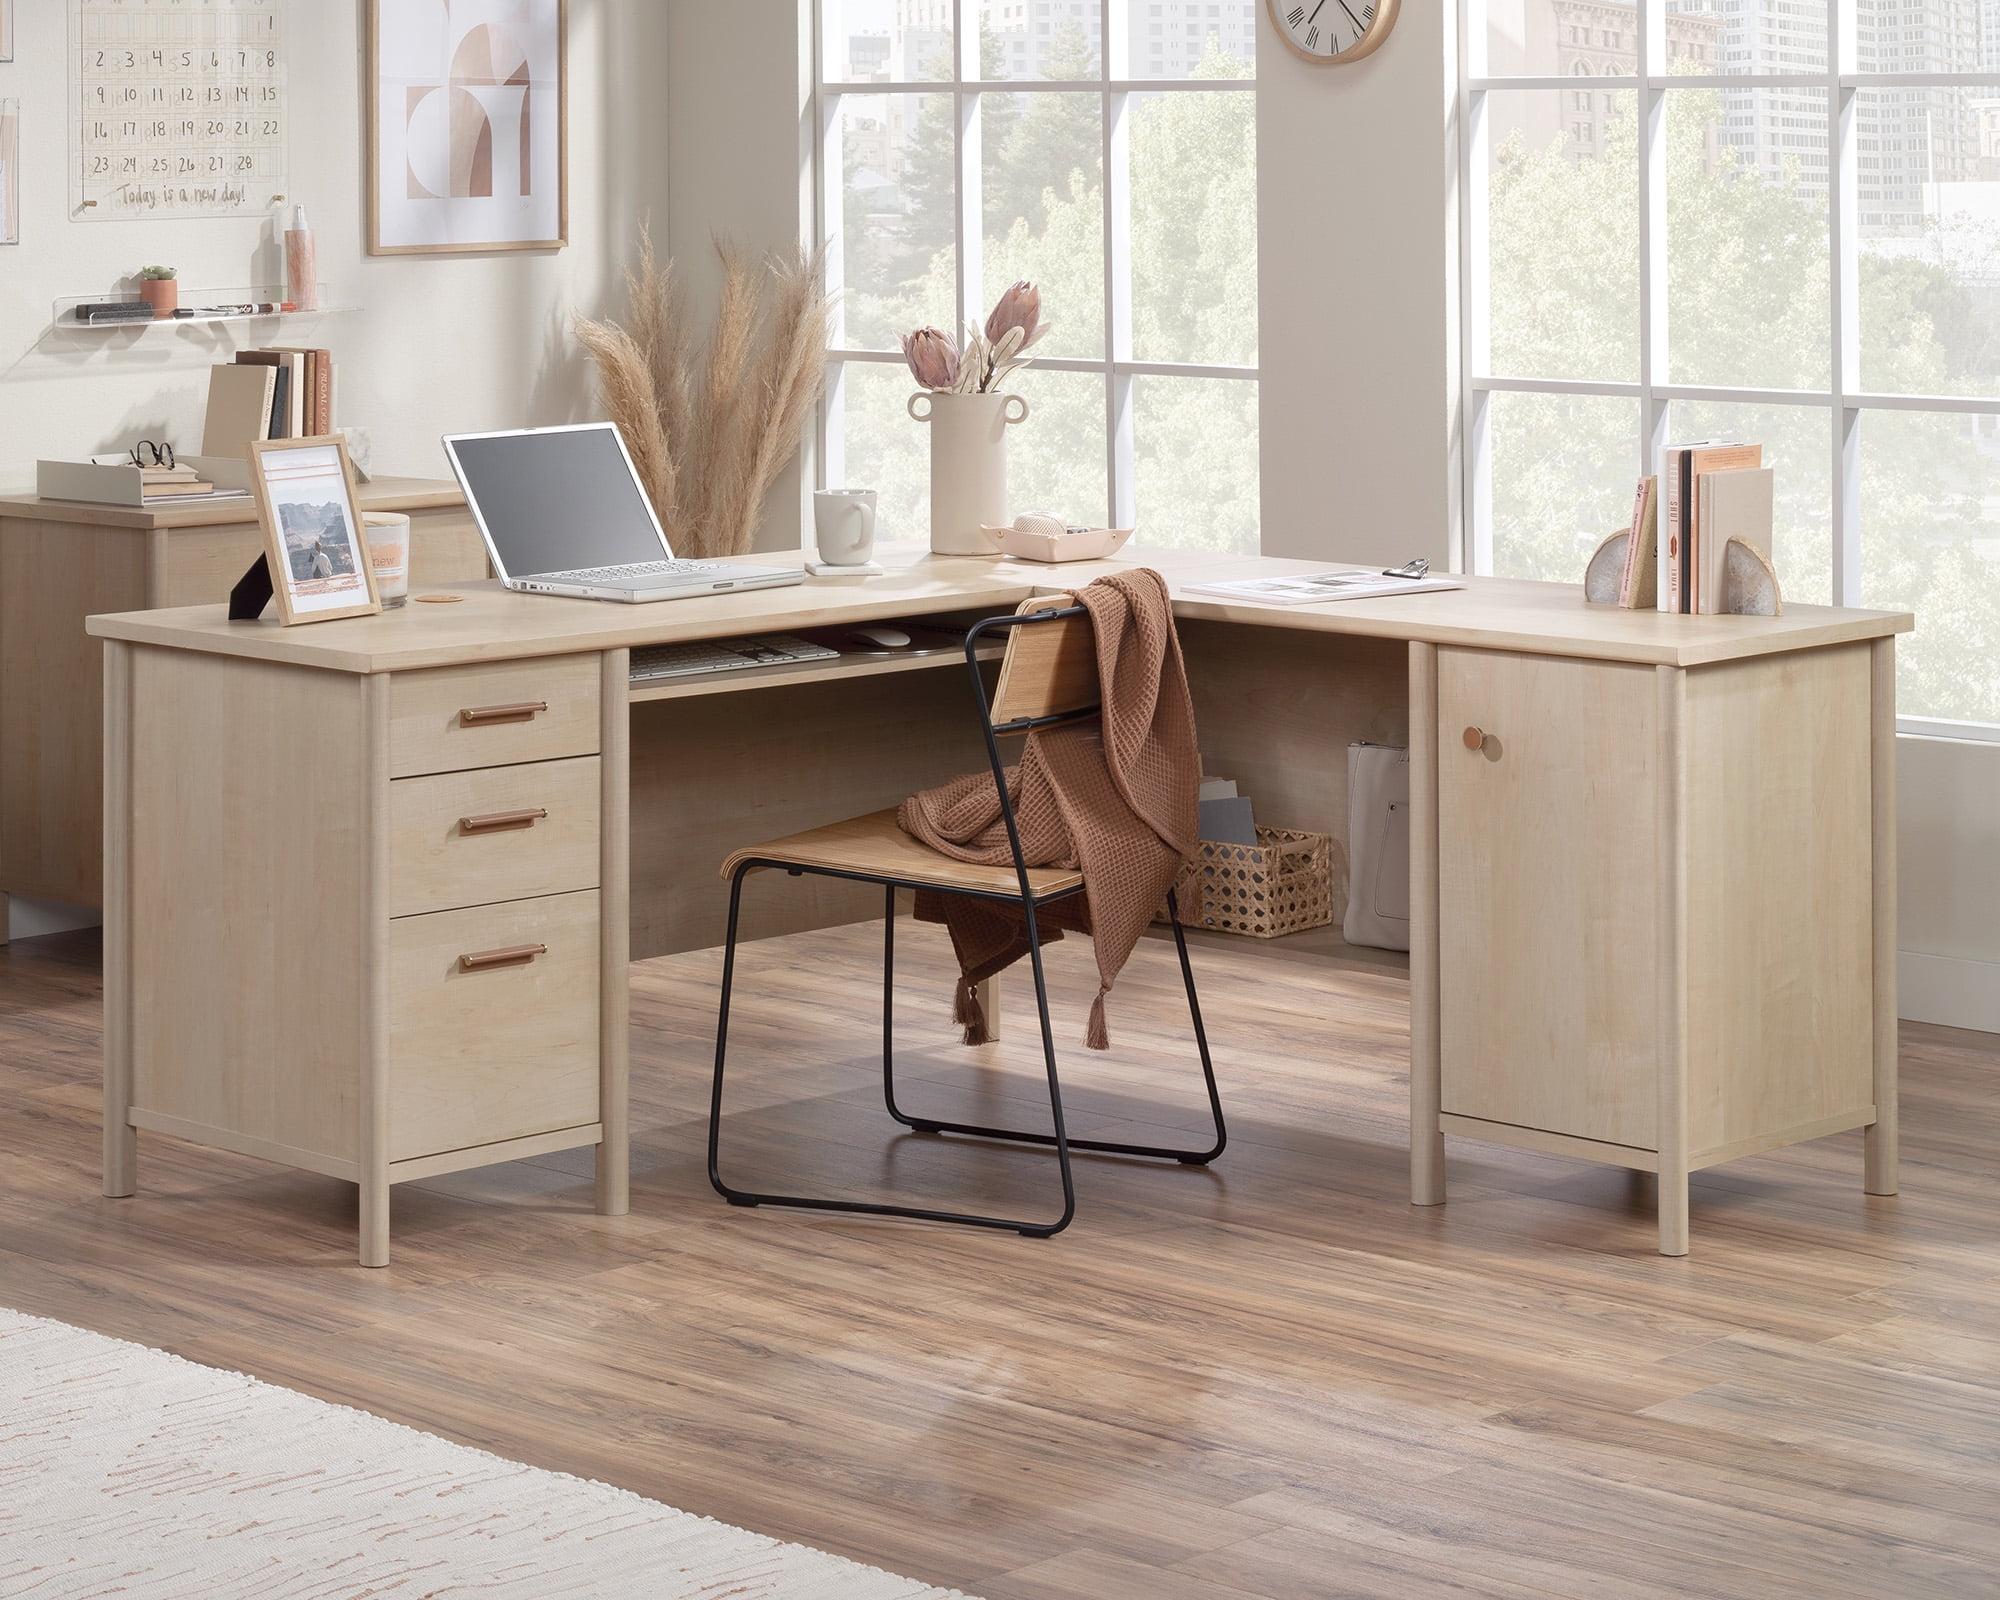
1304 588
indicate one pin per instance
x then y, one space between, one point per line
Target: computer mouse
879 638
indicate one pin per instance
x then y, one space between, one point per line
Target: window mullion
829 164
965 147
1475 300
1120 440
1654 410
1120 437
1843 193
969 187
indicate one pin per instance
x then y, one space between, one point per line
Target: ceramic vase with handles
968 466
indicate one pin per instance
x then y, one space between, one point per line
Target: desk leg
4 926
1426 1065
372 1145
989 1002
1881 1157
375 1221
1670 983
121 1143
614 1154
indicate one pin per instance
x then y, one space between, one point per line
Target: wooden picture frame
378 243
302 473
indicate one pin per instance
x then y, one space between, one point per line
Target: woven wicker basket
1281 884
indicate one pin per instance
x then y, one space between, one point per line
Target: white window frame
1116 88
1841 399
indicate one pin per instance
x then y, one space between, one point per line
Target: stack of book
172 483
302 391
278 393
1708 492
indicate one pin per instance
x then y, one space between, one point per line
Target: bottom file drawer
493 1023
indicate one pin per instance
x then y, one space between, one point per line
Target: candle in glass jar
388 536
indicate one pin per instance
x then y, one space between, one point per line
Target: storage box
1282 884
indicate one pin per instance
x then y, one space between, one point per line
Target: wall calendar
178 108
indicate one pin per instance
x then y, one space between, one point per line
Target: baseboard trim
1948 990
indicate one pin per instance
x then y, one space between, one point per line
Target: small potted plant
159 290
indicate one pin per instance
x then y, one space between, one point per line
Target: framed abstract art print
468 126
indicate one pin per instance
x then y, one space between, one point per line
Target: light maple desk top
377 494
490 623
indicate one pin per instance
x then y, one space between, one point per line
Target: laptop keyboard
634 569
653 661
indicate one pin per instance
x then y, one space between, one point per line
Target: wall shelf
65 320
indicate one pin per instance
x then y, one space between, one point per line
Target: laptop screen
557 500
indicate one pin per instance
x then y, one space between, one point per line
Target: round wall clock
1330 33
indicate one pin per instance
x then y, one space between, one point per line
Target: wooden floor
1272 1378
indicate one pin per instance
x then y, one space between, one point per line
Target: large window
1104 150
1774 220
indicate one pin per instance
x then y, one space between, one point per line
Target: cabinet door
1548 819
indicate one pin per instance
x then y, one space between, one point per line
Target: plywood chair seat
874 846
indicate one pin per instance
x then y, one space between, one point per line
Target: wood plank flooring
1273 1378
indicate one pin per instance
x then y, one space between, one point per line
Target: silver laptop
562 512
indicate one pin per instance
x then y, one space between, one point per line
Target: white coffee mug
844 521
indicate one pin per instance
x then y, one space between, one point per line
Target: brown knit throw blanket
1117 797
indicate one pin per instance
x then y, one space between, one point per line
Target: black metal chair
1048 677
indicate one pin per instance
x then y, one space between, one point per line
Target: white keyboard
651 662
635 569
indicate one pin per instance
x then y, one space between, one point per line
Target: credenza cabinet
1656 904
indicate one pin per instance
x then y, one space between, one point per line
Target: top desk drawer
451 718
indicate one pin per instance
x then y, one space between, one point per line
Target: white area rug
129 1472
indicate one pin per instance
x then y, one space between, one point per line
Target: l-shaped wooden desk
371 886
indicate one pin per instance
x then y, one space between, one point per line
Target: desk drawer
452 718
504 1047
494 833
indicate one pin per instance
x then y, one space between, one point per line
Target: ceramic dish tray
1085 544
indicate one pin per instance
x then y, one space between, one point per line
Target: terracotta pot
968 466
162 294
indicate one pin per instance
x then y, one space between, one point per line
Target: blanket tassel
969 1014
1097 1037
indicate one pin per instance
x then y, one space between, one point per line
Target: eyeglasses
147 454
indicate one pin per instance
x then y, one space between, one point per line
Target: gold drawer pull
502 821
1474 738
515 955
487 716
1477 739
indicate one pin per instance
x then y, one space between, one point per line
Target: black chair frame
1024 896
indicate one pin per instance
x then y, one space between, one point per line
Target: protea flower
933 358
1020 307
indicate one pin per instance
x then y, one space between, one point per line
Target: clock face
1330 32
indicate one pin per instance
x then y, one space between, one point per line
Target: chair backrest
1050 668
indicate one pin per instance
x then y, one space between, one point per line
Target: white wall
1358 298
438 342
739 93
1948 843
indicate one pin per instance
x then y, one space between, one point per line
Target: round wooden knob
1474 738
